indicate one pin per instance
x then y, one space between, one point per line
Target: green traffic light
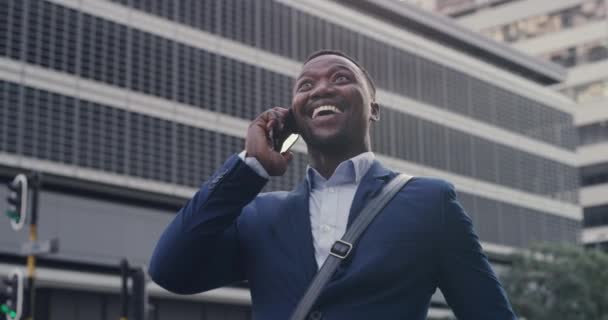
6 310
13 215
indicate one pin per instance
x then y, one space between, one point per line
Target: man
277 241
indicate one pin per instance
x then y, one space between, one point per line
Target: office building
126 106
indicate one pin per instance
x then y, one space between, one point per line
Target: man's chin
327 143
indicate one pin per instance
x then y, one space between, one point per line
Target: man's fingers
281 110
272 118
280 114
288 155
260 142
273 121
270 124
276 113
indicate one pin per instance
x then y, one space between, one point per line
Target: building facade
573 34
127 105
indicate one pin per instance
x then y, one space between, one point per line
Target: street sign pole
33 237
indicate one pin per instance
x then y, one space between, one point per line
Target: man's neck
326 162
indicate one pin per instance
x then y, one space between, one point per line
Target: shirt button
331 190
325 228
315 315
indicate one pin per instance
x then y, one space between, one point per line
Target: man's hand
259 143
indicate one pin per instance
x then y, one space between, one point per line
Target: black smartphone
283 140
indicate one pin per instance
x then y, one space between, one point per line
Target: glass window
593 133
596 216
580 54
594 174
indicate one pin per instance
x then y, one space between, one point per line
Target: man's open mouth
325 110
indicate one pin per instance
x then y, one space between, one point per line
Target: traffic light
17 201
11 295
140 295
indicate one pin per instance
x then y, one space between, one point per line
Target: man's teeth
320 109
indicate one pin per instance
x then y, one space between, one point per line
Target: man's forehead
326 62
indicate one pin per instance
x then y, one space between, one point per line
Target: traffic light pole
124 290
140 294
134 302
33 237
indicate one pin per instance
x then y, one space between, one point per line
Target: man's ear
375 116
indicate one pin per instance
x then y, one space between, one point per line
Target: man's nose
322 89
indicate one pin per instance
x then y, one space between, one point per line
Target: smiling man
422 240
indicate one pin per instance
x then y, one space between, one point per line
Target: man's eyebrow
331 69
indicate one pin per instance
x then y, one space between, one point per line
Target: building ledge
594 195
592 154
591 112
595 235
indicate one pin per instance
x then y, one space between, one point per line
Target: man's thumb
287 156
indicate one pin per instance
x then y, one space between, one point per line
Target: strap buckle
341 249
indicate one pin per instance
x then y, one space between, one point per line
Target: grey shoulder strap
343 247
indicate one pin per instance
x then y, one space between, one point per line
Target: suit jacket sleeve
200 250
465 276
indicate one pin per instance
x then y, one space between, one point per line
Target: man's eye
341 78
305 86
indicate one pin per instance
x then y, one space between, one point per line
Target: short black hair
324 52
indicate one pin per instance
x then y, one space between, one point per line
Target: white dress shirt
330 199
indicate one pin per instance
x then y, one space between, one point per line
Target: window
432 83
580 54
596 216
593 133
505 223
594 174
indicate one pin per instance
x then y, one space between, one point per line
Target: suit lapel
301 234
299 215
371 184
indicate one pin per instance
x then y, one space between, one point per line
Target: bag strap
343 247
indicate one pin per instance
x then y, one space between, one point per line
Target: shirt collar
348 171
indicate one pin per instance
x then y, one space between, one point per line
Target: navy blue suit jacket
422 240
